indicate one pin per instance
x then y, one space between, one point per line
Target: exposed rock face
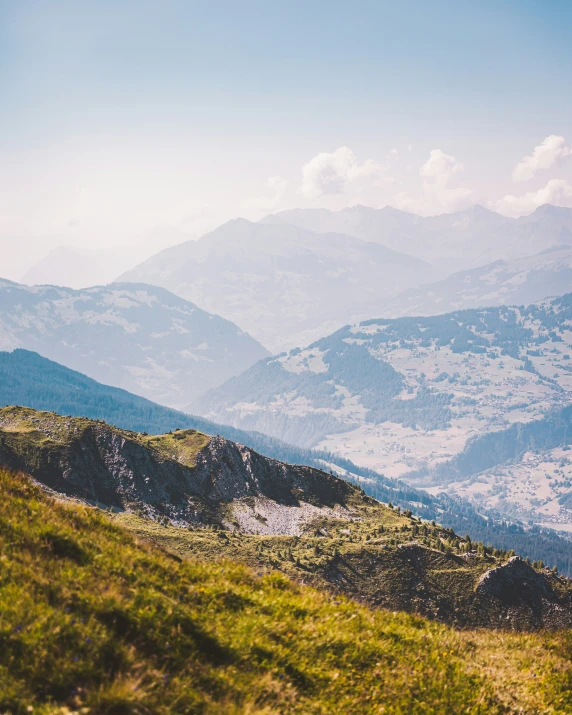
514 582
525 595
270 518
159 476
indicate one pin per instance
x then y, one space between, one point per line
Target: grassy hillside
209 498
94 622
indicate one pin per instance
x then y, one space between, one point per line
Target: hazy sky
120 116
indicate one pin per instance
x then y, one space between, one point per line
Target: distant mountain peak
478 211
551 210
393 211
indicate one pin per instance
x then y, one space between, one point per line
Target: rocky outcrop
515 582
123 470
525 596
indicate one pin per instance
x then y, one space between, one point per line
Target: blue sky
119 116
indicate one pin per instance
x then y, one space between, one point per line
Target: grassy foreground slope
94 622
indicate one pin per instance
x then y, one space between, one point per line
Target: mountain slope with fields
523 471
402 395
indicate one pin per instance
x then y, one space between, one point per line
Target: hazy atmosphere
124 121
286 357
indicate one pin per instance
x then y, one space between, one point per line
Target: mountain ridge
452 242
280 282
134 336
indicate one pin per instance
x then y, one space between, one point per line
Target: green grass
182 445
92 621
380 557
37 428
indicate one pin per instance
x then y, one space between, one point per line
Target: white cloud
543 156
337 172
557 192
440 167
437 196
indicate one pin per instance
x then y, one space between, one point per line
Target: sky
122 118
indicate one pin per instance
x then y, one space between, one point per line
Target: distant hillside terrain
307 523
94 621
525 471
518 282
282 284
402 395
138 337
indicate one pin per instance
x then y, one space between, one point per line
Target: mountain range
296 275
451 242
138 337
282 284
